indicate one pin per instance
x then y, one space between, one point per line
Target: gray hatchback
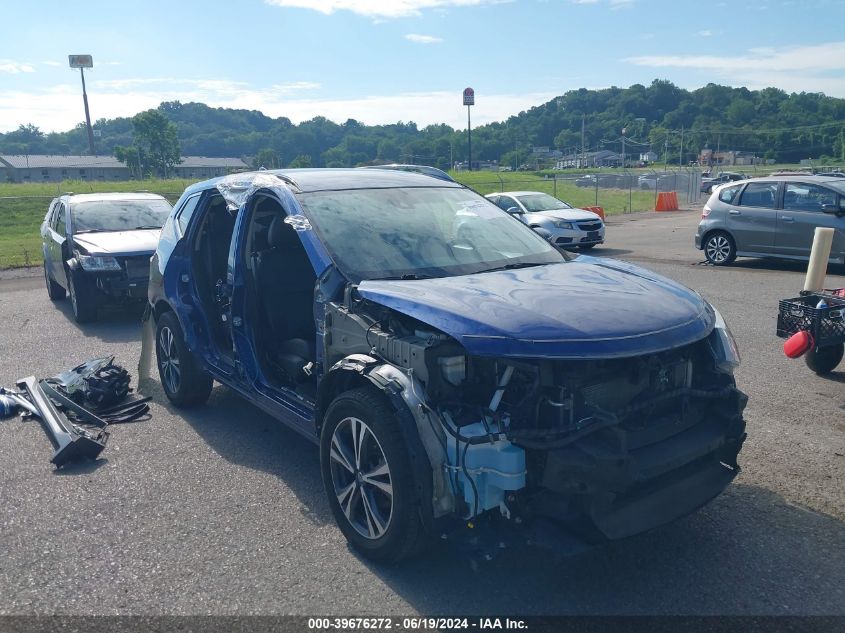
772 217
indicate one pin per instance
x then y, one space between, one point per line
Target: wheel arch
718 229
359 370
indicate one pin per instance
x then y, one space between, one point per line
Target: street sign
81 61
97 133
469 96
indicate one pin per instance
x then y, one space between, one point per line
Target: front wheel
185 382
824 360
719 249
368 478
83 301
54 290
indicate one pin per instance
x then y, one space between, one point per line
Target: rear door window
800 196
506 203
59 215
727 194
759 194
184 217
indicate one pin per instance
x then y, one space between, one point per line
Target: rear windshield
119 215
420 232
538 202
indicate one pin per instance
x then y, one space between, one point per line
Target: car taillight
705 211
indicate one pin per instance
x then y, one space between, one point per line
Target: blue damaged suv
454 368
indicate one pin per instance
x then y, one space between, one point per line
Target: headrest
280 233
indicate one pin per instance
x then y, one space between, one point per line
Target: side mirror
515 211
833 209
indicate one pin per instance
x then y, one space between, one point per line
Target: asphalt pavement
221 510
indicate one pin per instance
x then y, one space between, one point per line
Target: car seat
285 285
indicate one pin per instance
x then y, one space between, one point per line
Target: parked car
709 183
97 247
588 180
560 223
678 181
451 365
419 169
772 217
647 181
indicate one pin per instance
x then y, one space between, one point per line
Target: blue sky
383 61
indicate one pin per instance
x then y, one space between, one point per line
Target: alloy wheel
168 360
718 249
361 478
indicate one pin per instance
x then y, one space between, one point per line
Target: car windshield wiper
406 276
138 228
94 231
514 266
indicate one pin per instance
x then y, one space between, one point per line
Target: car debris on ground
76 407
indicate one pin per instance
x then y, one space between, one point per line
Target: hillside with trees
770 123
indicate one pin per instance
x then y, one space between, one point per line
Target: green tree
303 160
157 141
131 157
268 159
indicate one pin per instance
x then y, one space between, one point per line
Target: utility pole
583 117
623 147
681 150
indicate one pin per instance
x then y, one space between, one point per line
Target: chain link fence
615 190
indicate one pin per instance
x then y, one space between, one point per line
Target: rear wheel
719 249
82 298
825 359
185 382
368 478
54 290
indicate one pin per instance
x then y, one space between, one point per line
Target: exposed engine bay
612 447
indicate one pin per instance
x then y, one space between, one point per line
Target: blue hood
584 308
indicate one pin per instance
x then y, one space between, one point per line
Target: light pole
469 101
82 62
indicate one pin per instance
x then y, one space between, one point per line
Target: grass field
22 206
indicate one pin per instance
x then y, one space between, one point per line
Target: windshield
119 215
539 202
420 232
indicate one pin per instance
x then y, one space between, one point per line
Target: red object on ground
599 211
798 344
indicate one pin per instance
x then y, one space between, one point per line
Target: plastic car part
71 442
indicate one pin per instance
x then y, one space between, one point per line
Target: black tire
184 381
54 290
719 248
388 539
586 247
825 359
83 299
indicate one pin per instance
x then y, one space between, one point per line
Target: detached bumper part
70 442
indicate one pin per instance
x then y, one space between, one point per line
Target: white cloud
815 68
378 8
13 68
819 57
51 62
705 33
423 39
59 108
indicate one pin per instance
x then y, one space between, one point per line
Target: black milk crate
827 325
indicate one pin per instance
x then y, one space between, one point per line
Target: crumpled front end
606 448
